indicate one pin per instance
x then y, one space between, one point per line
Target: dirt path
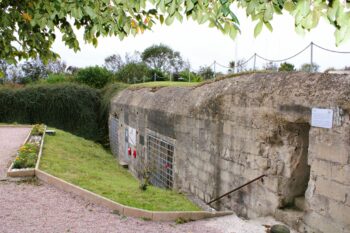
11 138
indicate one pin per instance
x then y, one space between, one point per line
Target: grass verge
90 166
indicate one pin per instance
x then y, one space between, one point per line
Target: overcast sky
202 45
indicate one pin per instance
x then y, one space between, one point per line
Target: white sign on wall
322 118
132 136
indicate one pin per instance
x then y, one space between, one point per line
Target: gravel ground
42 208
33 208
11 138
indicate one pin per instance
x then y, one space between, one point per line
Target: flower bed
29 153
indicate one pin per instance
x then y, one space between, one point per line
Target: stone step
124 164
291 217
300 203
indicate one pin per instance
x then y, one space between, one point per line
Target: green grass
88 165
165 84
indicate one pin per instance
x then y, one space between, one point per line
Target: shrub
57 78
67 106
96 76
38 130
133 73
193 76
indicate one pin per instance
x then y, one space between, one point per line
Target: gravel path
42 208
11 138
33 208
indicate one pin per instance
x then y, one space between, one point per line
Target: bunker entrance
297 171
160 155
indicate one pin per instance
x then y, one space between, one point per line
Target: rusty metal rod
234 190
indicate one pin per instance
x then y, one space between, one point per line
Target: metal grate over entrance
113 135
160 155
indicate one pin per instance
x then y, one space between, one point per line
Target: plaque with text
322 118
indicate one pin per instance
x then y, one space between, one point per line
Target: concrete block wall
232 131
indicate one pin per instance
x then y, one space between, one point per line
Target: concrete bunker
209 139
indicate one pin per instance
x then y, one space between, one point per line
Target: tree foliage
33 70
29 28
307 67
285 66
95 76
133 73
206 72
162 57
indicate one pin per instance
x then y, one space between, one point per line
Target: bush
67 106
193 76
38 130
96 76
133 73
57 78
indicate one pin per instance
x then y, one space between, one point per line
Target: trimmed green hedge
70 107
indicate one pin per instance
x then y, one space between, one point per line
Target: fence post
312 57
214 70
254 62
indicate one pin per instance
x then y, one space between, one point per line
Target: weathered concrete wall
228 132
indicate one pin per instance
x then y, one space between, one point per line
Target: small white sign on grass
132 136
322 118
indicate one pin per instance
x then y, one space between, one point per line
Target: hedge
70 107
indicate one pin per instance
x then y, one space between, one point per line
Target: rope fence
256 56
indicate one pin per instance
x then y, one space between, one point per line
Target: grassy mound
90 166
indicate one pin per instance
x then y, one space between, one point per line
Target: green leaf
233 32
269 26
268 14
161 19
289 6
169 20
258 28
189 5
90 12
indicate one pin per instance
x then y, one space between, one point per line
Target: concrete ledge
25 172
17 126
122 209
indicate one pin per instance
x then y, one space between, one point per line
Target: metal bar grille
160 155
113 135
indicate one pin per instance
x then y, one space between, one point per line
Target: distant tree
162 57
114 63
232 65
33 70
206 72
241 65
270 66
307 67
133 72
187 76
95 76
56 67
14 73
285 66
72 70
347 68
3 69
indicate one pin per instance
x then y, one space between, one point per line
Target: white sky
202 45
